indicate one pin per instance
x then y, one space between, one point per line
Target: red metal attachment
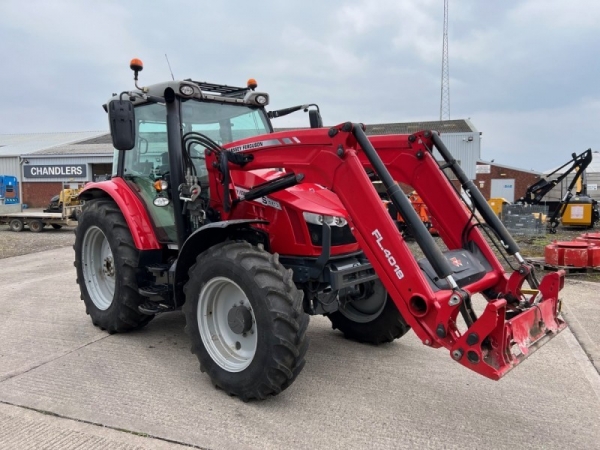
582 252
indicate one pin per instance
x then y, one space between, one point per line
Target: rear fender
130 205
206 237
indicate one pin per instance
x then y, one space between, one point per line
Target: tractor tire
376 321
36 226
106 261
245 319
16 225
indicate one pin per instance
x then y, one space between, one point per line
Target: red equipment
421 209
252 234
336 160
582 252
573 254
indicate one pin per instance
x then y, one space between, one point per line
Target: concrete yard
66 384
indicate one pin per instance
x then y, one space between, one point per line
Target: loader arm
413 164
493 343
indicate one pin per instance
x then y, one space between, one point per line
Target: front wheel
245 319
372 319
105 259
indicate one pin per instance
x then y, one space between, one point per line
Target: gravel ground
14 244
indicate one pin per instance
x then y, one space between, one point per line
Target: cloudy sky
525 72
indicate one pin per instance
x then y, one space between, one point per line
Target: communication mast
445 94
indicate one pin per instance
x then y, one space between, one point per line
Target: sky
525 72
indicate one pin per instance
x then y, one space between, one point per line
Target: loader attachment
495 343
505 334
430 294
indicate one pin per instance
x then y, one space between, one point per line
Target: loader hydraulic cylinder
476 197
400 201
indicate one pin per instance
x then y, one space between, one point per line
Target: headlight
261 99
256 98
161 201
186 90
318 219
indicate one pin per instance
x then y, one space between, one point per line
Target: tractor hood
304 197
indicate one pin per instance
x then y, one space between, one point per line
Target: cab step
152 308
156 290
158 269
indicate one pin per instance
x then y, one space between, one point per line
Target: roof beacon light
252 84
137 66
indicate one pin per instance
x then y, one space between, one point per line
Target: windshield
223 123
149 159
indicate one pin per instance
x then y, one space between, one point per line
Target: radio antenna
167 58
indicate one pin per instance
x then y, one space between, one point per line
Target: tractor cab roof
200 90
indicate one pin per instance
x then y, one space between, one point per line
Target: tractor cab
171 125
222 113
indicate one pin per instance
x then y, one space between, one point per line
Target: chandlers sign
55 171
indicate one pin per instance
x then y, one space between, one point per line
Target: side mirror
315 118
121 117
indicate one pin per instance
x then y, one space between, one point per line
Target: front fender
130 205
201 240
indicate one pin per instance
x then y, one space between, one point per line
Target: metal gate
503 188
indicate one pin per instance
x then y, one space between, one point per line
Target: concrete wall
523 179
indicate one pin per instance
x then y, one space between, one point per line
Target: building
43 162
500 181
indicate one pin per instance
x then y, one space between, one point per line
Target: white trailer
36 221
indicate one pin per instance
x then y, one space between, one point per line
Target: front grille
339 235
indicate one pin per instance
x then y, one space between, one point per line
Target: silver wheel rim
233 352
99 270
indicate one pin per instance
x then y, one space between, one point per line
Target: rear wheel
245 319
374 319
56 226
36 226
16 225
106 262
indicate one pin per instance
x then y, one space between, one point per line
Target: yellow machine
579 212
497 203
574 210
67 197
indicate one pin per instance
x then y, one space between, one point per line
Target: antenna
168 64
445 94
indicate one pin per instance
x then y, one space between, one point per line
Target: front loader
249 232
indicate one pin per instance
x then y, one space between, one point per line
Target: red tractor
251 231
